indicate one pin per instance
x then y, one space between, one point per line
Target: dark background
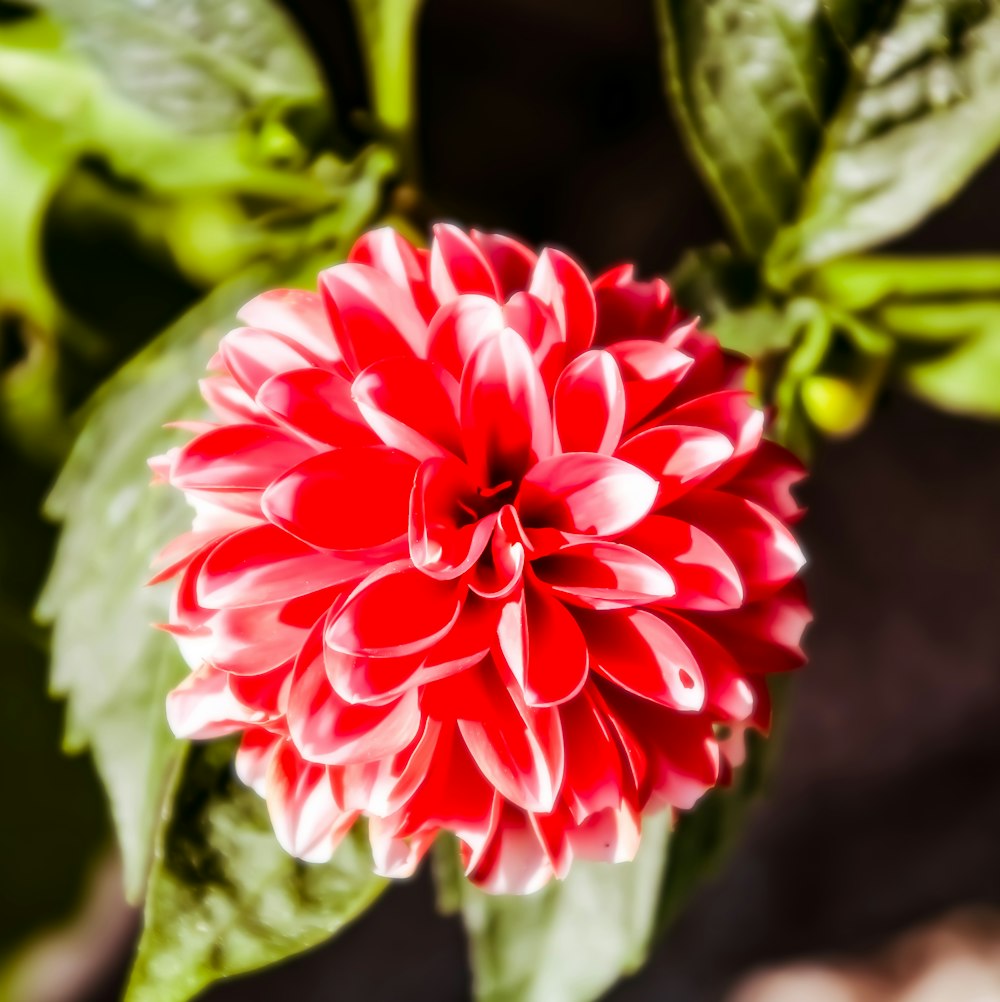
547 119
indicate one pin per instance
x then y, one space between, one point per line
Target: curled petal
331 731
459 327
510 260
704 575
560 282
589 404
253 758
395 611
405 402
587 493
640 652
506 421
348 499
445 535
385 250
372 317
601 575
678 456
515 861
626 307
518 748
542 646
729 413
253 356
264 564
204 706
297 315
307 821
458 267
651 372
318 404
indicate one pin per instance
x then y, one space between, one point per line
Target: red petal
237 457
307 821
203 706
445 537
405 402
265 564
387 251
542 646
763 549
347 499
330 731
594 778
515 861
704 575
372 317
459 327
506 421
730 413
604 575
589 404
630 309
585 492
510 260
253 356
458 267
397 610
559 281
768 479
651 372
298 316
518 748
637 650
316 403
679 457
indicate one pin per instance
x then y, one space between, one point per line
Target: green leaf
113 668
573 939
749 82
388 44
225 898
202 65
966 380
919 116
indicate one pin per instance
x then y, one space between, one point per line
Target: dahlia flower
479 546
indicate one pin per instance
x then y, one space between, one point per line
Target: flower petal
264 564
459 327
372 317
392 254
347 499
405 402
543 647
638 651
318 404
602 575
506 420
589 404
297 315
395 611
518 748
458 267
585 492
559 281
510 260
678 456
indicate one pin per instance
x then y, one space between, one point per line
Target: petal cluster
480 545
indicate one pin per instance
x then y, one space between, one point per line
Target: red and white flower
479 546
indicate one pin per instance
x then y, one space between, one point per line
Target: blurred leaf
966 380
225 898
388 44
113 668
749 81
920 115
572 940
201 64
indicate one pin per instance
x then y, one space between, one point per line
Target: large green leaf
920 116
570 941
750 81
113 668
224 898
826 128
202 64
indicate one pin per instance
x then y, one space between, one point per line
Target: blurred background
872 858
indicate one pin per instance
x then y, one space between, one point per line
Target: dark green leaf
202 64
224 898
919 116
572 940
750 82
